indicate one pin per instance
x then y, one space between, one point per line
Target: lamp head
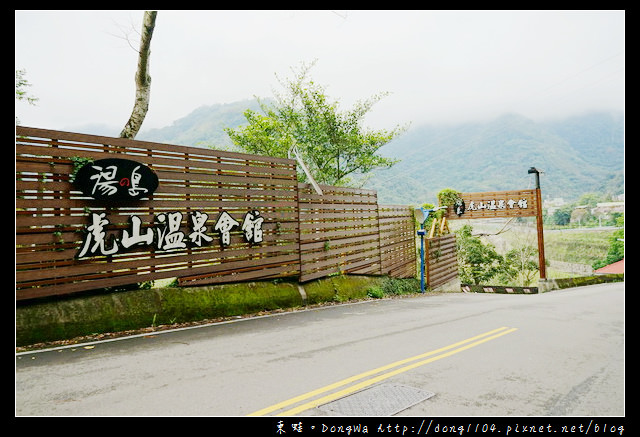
421 214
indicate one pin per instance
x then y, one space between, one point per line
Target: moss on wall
339 288
77 316
66 318
184 305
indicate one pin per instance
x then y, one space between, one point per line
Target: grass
583 247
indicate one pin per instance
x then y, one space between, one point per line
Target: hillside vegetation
204 127
577 247
577 155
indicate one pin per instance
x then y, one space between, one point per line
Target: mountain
576 155
204 127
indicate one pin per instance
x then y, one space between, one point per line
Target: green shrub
375 292
394 287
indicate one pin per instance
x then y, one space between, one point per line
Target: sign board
492 204
116 179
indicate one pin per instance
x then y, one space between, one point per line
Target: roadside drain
379 400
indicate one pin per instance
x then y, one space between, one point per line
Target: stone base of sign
502 289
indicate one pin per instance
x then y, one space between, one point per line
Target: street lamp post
541 259
421 233
422 214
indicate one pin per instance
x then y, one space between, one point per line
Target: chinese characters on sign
116 179
124 179
494 204
166 233
499 204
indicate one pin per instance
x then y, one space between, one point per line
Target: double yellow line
443 352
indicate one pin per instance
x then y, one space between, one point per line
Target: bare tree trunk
143 79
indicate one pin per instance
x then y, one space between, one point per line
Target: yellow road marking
461 346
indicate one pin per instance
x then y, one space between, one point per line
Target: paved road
554 354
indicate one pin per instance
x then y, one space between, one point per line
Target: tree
590 199
142 79
520 265
332 143
477 263
562 216
581 215
21 93
616 246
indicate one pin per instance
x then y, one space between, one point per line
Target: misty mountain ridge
203 127
577 155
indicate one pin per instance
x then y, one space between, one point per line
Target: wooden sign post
541 261
520 203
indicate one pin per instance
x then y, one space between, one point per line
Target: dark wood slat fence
339 232
397 241
304 235
442 262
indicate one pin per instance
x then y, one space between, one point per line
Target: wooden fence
442 262
397 241
339 232
302 234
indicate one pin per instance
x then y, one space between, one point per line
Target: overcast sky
439 66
